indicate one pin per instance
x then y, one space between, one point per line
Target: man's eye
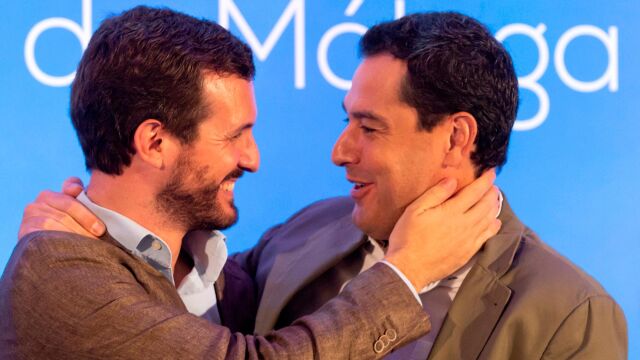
235 136
366 129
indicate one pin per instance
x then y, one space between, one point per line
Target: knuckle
43 195
66 205
30 209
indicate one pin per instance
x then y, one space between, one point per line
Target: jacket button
385 340
378 346
156 245
391 334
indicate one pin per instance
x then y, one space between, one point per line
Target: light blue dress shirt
209 256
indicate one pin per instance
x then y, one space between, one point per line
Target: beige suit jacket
521 300
64 296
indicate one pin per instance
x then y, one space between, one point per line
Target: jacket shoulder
41 249
544 281
557 304
312 218
70 260
292 232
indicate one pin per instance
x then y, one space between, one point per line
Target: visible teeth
228 185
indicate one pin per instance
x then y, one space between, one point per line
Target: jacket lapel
482 297
293 270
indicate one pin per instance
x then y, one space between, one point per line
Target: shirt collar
207 249
140 241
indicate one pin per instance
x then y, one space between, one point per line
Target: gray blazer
521 300
65 296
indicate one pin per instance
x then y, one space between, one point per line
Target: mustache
235 174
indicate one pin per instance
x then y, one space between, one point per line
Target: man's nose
344 150
250 156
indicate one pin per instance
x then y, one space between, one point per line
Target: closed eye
367 129
235 136
364 128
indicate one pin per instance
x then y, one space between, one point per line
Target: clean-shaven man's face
387 157
199 192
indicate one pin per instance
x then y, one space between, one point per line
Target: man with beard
163 107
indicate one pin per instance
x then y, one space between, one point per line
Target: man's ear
150 143
462 137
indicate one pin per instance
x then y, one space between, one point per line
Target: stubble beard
194 206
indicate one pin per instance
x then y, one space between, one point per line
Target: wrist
418 277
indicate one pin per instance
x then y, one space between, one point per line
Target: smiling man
163 107
435 97
389 159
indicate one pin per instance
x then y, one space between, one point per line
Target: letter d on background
83 33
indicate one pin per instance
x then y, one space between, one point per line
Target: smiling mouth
360 189
228 186
359 185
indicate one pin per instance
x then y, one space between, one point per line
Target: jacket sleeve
595 329
83 306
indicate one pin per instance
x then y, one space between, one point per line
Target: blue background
573 179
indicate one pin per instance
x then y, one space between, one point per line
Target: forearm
372 304
101 308
345 328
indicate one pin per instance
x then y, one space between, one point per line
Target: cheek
410 179
219 162
397 192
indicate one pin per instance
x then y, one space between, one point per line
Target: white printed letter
295 9
323 52
610 42
83 33
530 81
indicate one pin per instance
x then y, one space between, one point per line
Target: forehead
230 100
376 83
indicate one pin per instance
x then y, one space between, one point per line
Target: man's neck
465 175
132 196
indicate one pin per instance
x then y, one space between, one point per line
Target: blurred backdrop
574 159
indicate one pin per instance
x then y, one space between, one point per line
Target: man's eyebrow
365 114
242 128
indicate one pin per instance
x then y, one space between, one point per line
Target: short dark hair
148 63
454 64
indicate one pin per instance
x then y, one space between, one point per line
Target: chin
371 225
218 218
228 219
